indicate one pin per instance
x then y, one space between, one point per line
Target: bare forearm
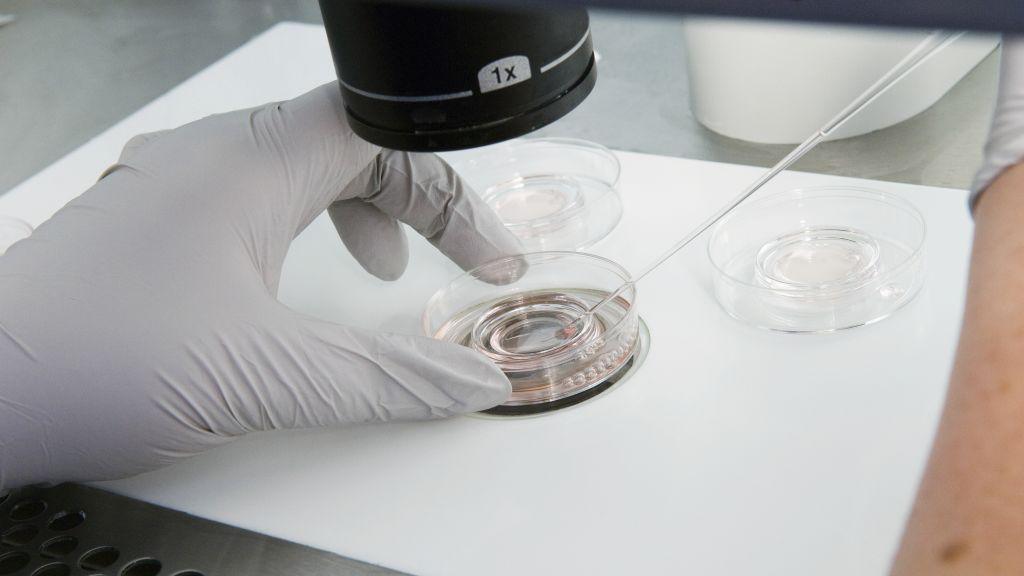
969 513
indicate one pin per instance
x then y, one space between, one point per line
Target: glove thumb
324 374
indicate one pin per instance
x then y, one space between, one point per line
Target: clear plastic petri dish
11 230
515 310
552 193
818 259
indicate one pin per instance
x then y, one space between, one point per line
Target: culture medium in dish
552 193
520 325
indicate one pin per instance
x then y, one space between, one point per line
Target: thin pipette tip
572 328
934 42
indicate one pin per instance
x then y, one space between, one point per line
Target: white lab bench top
731 451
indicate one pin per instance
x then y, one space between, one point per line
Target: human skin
968 518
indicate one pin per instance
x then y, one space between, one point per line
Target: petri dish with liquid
818 259
554 194
515 311
12 230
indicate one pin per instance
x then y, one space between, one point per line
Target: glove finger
324 162
315 374
375 239
312 138
130 149
137 142
425 192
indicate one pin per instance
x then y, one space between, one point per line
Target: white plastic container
776 83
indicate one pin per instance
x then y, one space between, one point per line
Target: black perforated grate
74 530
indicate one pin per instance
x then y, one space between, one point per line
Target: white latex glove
138 326
1005 146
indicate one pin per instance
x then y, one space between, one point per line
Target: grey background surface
69 70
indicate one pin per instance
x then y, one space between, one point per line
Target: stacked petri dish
554 194
818 259
515 311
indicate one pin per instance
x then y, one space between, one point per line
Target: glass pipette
922 52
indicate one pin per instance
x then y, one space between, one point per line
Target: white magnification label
503 73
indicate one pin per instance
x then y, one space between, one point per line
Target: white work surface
732 451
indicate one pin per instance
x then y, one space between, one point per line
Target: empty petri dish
552 193
818 259
520 322
11 230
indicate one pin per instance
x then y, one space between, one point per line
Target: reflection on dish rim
541 410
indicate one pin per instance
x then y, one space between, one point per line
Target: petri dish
554 194
11 230
818 259
514 311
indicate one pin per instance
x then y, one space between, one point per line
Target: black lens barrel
429 78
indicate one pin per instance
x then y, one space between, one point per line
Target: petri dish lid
552 193
818 259
11 230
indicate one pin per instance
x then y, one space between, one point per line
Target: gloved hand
138 326
1005 145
